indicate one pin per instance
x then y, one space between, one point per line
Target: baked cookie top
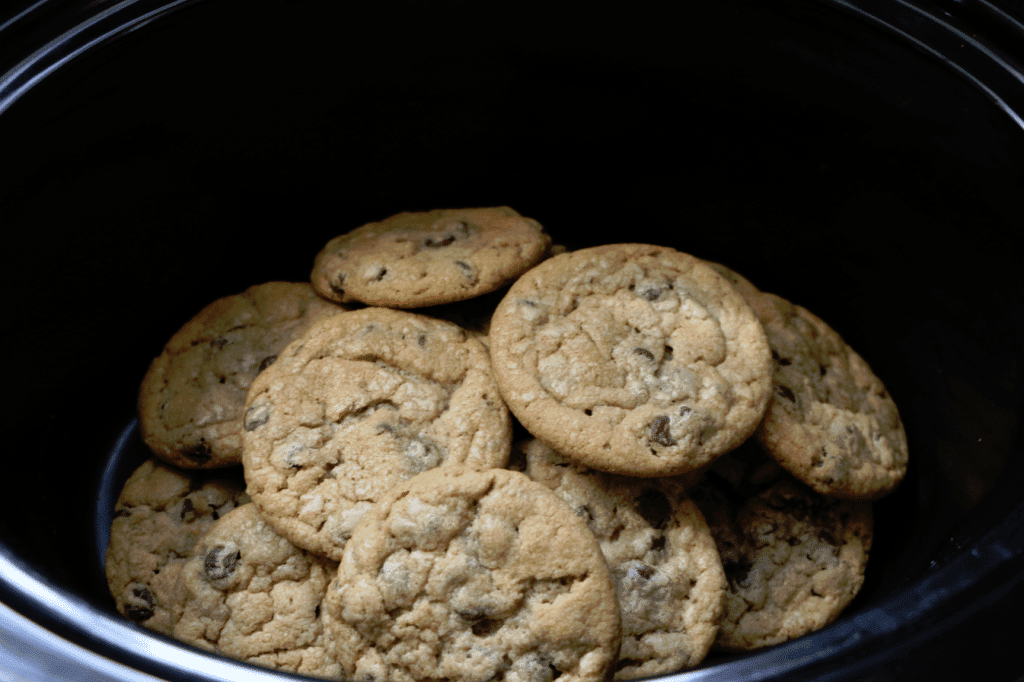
363 401
190 402
667 573
249 594
632 359
159 516
830 422
418 259
462 574
793 558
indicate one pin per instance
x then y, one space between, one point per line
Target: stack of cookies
470 455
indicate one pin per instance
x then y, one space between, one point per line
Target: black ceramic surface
827 160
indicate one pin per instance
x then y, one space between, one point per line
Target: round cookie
190 402
418 259
160 515
465 575
365 400
793 558
830 421
631 359
667 573
249 594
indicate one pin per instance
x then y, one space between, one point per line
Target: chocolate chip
821 368
431 244
487 626
120 513
658 543
199 453
668 353
785 392
338 288
646 572
221 562
141 604
188 511
255 417
654 507
658 431
465 266
785 362
422 341
472 614
527 302
584 512
380 275
218 343
643 352
685 411
267 362
651 294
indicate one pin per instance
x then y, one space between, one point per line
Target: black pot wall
212 150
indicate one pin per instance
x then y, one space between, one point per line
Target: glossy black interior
822 158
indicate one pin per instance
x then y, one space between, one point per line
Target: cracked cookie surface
830 422
631 359
160 515
365 400
190 402
793 558
249 594
668 576
472 575
418 259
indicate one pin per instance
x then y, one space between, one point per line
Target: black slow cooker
864 158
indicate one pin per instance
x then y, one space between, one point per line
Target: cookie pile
470 455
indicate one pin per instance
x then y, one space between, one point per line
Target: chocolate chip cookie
632 359
793 558
190 403
462 574
830 421
249 594
418 259
365 400
160 515
668 576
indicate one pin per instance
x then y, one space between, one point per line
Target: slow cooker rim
945 38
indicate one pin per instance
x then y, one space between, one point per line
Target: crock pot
862 158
